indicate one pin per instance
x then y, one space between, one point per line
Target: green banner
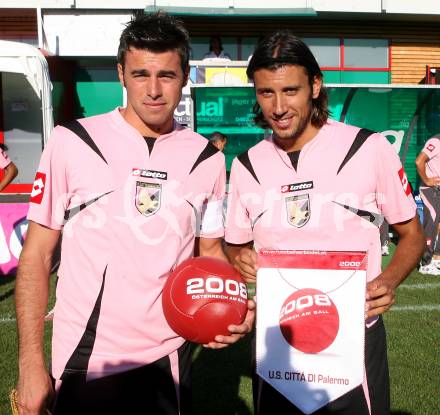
406 116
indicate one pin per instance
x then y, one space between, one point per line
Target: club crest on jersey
148 198
298 210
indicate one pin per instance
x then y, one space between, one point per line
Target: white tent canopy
25 59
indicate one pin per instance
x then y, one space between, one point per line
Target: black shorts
148 389
267 401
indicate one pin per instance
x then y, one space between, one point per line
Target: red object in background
38 188
202 297
432 76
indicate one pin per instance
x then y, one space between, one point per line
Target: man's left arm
10 174
381 291
213 247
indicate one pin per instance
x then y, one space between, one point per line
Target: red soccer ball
202 297
309 320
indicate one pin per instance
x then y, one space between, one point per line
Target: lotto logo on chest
296 187
162 175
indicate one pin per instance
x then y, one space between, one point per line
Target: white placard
311 324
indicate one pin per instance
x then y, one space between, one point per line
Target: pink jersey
4 159
128 218
432 150
334 200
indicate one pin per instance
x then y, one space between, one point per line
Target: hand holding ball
202 297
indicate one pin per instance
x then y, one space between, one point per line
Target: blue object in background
419 204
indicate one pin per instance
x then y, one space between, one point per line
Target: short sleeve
393 192
238 228
432 148
212 217
48 200
4 159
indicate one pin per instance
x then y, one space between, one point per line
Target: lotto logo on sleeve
430 147
405 183
38 188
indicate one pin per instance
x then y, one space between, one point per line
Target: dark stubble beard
303 123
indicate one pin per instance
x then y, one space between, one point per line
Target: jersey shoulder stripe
358 141
207 152
246 161
76 127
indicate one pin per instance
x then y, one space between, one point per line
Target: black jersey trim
196 215
70 213
254 222
150 143
79 360
360 139
76 128
294 158
374 218
245 160
207 152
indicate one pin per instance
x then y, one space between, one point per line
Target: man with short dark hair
329 183
218 140
131 189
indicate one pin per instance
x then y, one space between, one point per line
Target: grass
221 378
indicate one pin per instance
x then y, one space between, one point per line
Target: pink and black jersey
432 150
4 159
129 214
332 195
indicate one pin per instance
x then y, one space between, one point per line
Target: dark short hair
217 136
284 48
158 32
211 40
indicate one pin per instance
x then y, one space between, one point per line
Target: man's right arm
421 161
31 297
244 259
